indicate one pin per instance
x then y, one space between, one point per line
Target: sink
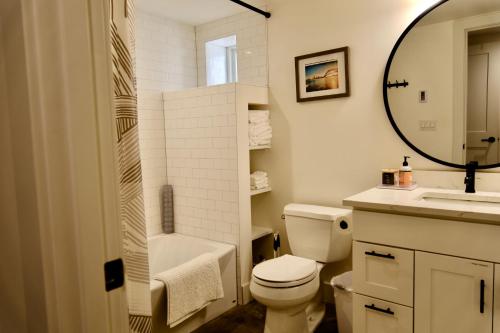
462 199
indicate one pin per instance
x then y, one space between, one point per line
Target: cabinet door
371 315
452 294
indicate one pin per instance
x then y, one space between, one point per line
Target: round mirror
442 83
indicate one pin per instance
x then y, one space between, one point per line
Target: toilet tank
320 233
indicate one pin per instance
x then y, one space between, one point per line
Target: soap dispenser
405 173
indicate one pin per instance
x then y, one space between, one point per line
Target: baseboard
246 294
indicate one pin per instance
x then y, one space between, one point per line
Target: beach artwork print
322 75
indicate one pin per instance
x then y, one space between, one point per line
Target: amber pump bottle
405 173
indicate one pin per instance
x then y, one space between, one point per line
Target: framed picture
322 75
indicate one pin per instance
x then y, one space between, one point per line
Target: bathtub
168 251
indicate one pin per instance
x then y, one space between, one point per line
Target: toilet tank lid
316 212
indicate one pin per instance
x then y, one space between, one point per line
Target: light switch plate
428 125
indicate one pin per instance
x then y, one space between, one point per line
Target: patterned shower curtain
131 198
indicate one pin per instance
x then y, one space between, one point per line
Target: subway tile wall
202 162
251 42
165 60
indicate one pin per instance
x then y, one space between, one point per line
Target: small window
221 61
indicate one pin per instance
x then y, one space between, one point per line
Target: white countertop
410 202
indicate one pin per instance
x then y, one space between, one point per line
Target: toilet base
315 312
303 318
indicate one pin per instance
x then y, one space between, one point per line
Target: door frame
63 156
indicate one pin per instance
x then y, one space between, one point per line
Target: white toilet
289 285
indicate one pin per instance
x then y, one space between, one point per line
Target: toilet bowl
289 285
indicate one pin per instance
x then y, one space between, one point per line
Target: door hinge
113 274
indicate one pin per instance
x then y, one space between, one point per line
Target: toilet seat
285 272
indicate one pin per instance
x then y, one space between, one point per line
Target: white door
58 173
483 102
452 294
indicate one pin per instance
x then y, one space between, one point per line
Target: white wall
165 60
324 151
425 60
202 162
251 43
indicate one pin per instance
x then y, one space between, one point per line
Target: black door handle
491 139
374 308
380 255
481 297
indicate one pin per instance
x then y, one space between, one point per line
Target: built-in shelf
257 106
259 147
259 191
258 232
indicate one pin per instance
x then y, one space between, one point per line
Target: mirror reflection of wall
449 110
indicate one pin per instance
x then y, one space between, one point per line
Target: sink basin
462 199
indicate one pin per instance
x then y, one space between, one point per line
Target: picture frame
322 75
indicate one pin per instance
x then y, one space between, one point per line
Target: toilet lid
289 270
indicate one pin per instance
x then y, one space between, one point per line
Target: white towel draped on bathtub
191 286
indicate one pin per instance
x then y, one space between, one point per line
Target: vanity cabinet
452 294
424 275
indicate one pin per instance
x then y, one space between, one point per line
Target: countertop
410 203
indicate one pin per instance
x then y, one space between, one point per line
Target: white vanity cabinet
452 294
403 291
418 272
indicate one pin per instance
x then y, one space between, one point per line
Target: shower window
221 61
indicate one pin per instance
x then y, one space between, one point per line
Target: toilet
289 285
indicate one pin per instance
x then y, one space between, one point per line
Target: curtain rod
255 9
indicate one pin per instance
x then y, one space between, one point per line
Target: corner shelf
259 232
259 147
259 191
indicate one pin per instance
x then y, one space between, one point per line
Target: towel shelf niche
259 232
259 191
261 147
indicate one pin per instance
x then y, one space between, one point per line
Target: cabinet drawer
371 315
383 272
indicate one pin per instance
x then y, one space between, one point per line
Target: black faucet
470 177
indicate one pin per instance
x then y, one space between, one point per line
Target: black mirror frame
386 99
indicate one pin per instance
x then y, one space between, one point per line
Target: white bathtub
168 251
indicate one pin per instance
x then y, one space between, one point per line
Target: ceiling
193 12
455 9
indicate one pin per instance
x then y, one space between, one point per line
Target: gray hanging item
168 209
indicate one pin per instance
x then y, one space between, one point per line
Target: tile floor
250 319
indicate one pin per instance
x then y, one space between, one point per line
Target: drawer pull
374 308
481 297
380 255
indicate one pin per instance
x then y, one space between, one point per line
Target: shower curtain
135 246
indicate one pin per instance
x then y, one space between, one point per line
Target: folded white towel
255 131
259 129
258 174
191 287
259 142
258 116
259 180
262 135
260 184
